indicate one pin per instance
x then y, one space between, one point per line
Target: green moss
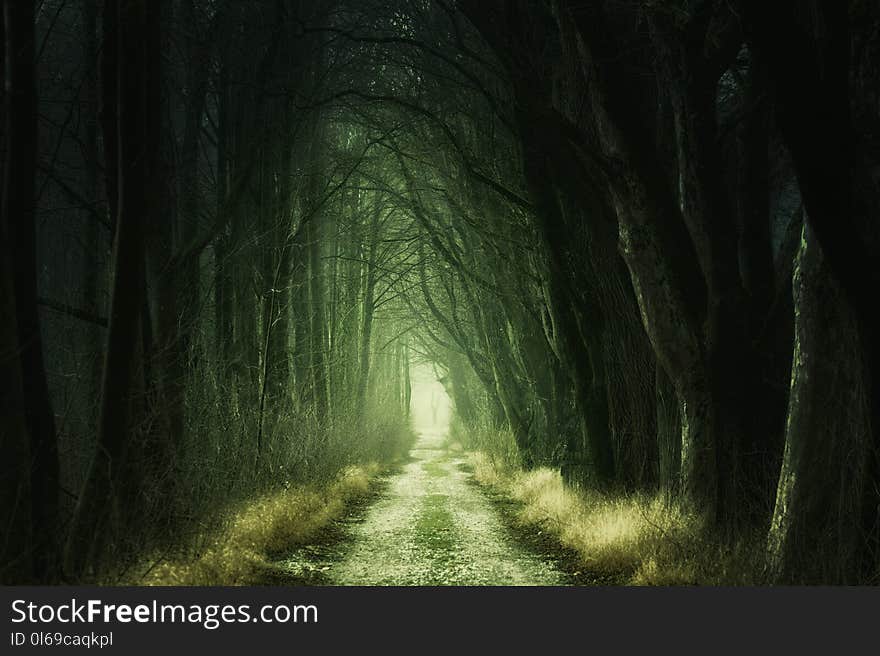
435 527
433 469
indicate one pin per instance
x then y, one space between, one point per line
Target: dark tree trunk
16 552
223 294
177 280
95 236
299 302
317 327
668 435
20 221
16 549
461 398
767 327
366 332
816 534
278 373
108 106
407 384
137 178
824 77
579 345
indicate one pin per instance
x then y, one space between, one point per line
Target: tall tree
137 29
19 220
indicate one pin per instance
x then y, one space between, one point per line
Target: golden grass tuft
644 540
240 553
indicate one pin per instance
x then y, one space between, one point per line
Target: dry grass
240 553
646 540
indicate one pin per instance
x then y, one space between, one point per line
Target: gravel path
431 527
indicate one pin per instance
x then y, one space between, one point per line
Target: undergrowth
241 552
642 539
232 515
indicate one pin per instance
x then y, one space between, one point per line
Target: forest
635 243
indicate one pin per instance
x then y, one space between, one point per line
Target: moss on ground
433 469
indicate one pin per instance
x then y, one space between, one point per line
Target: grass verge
241 552
634 539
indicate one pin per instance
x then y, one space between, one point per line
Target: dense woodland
642 237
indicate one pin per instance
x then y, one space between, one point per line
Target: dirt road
431 527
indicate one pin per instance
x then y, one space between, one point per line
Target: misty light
430 406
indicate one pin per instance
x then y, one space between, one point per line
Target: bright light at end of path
430 406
